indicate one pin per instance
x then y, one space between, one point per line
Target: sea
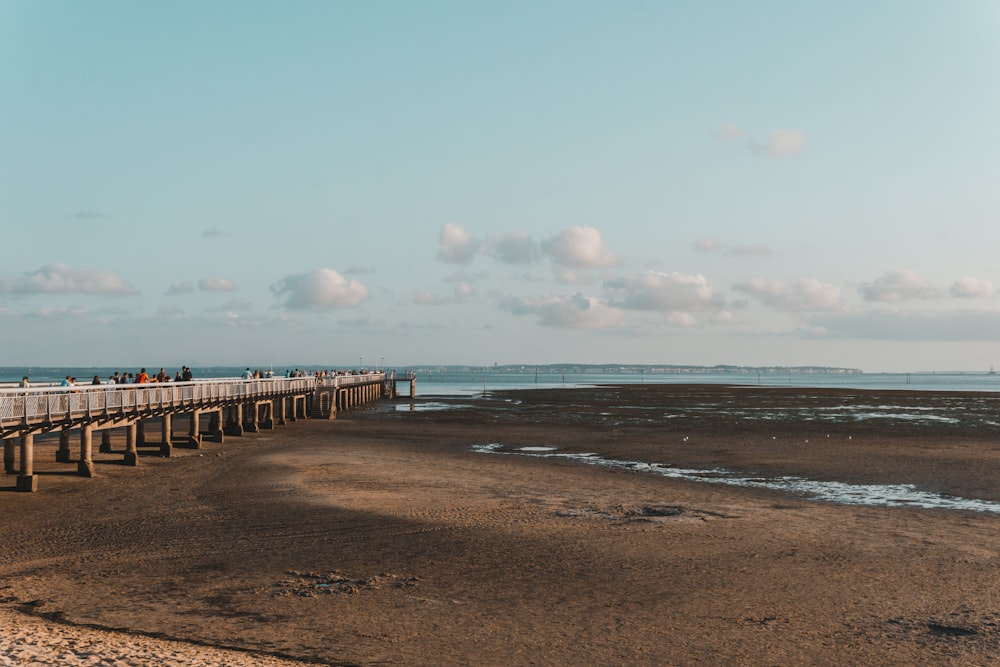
432 383
472 384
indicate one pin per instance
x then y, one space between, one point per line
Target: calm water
444 384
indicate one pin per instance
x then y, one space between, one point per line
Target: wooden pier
214 409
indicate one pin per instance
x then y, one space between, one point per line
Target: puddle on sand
885 495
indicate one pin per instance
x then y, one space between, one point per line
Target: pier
213 409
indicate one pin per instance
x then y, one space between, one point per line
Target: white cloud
580 248
62 279
898 285
462 291
801 294
217 285
515 248
780 144
969 287
425 298
570 277
682 320
55 313
574 311
322 288
707 245
457 246
662 292
183 287
729 131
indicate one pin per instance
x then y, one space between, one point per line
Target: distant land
637 369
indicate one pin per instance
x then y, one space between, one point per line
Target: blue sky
758 183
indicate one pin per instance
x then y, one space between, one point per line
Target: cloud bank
319 289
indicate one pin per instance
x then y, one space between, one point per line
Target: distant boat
992 372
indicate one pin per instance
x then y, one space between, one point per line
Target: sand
383 538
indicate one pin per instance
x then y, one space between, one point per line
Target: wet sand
383 538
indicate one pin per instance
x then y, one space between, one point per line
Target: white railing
337 381
41 404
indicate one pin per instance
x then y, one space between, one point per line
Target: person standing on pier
142 377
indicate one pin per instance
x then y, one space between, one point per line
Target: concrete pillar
27 480
234 426
267 415
251 422
194 432
63 454
215 425
8 456
85 466
280 411
131 453
105 447
166 430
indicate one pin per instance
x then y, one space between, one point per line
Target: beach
505 530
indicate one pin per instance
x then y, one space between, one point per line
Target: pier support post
194 432
140 433
8 456
267 415
413 386
215 425
280 410
131 452
235 424
63 454
105 447
166 429
27 480
85 466
251 423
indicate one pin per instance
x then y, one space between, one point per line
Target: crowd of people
142 377
185 375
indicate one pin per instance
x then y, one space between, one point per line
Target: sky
390 183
